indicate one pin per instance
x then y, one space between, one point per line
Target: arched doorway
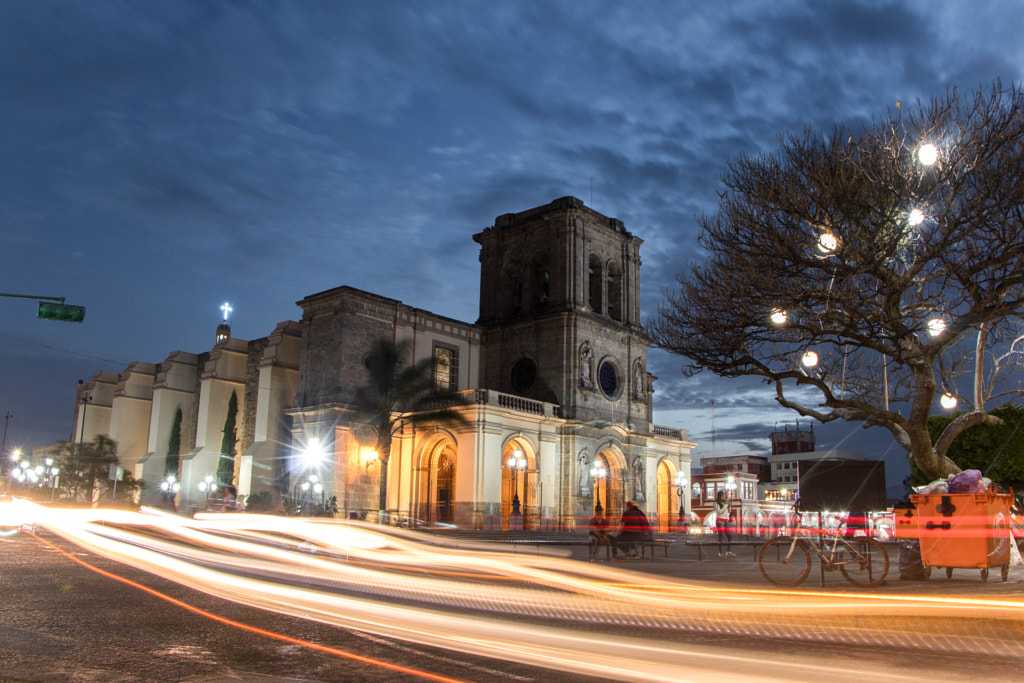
609 488
666 497
437 484
518 474
445 498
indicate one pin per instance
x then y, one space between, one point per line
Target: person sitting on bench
598 532
633 528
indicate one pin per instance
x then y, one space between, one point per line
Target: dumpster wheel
984 573
1005 572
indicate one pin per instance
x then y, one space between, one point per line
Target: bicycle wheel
784 561
863 561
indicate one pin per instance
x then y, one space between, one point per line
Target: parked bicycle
786 560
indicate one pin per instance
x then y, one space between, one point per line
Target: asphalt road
62 622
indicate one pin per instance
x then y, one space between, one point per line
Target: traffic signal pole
54 311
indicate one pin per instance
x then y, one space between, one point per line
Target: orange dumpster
968 530
904 522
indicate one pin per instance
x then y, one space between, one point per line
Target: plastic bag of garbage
911 568
968 481
937 486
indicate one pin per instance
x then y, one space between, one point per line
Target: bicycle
786 560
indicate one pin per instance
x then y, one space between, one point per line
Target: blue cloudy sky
160 158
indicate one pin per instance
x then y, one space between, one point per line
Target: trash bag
911 568
967 481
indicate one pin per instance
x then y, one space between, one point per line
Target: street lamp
681 487
311 485
598 472
170 487
51 477
730 485
516 463
313 453
207 485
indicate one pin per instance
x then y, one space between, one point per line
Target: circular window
524 374
608 377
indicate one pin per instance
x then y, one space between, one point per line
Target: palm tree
399 393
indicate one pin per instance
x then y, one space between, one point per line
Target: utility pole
81 443
3 447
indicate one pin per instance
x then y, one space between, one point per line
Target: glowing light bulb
948 401
928 154
810 359
936 326
778 316
916 217
827 243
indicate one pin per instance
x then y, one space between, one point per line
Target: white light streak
416 587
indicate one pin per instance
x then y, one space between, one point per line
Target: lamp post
516 463
51 477
207 485
170 487
598 471
730 485
81 443
312 485
3 446
681 489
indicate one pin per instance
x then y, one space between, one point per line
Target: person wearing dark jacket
633 527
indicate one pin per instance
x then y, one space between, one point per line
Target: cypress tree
226 463
173 447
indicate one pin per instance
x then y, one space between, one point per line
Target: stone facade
554 369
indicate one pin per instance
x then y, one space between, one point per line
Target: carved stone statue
583 475
638 480
586 365
639 382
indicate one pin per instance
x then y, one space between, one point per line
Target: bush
260 502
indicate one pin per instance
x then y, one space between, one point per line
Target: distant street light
598 472
516 463
681 487
52 474
207 485
948 401
170 486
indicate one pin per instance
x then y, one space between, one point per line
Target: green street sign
53 311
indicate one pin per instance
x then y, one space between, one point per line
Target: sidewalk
742 571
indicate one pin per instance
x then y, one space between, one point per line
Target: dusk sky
161 158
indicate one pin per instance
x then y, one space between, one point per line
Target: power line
36 342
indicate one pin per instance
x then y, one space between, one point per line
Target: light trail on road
543 610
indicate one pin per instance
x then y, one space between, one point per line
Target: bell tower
560 312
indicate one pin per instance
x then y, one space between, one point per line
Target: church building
557 417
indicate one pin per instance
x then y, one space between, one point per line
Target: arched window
614 291
595 302
512 284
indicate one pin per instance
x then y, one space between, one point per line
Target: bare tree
867 274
